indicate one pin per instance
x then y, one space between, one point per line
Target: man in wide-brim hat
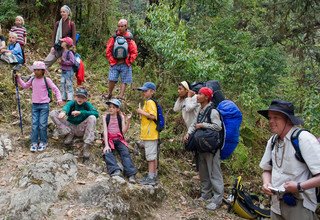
282 170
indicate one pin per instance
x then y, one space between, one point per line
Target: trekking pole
15 68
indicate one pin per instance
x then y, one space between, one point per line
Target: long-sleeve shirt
67 60
16 50
68 30
39 89
85 108
215 124
189 108
21 32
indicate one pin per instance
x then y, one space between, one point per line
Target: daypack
119 121
218 95
77 60
244 204
231 118
160 118
50 94
295 143
120 47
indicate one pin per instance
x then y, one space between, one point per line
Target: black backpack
119 121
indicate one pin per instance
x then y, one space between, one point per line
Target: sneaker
116 173
34 147
148 181
42 147
212 206
132 179
86 152
69 139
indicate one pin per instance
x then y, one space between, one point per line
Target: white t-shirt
288 168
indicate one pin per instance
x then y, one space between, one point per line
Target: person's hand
106 149
140 111
186 137
199 125
75 113
61 115
60 103
266 190
52 50
127 117
191 93
291 186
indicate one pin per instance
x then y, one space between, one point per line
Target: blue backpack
77 60
231 118
160 118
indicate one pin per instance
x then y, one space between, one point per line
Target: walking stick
15 69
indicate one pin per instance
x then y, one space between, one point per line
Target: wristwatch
299 187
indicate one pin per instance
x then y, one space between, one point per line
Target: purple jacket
67 60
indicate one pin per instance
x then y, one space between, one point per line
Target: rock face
52 185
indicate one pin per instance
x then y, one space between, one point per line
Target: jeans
111 162
66 86
40 114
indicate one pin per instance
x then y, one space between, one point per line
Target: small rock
81 182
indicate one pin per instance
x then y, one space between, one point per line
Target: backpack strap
295 143
155 101
207 114
119 121
273 143
45 81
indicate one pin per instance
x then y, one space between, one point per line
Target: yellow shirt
148 130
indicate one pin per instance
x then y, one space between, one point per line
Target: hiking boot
116 173
69 139
148 181
86 151
132 179
42 147
34 147
212 206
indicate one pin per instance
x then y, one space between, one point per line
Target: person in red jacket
121 52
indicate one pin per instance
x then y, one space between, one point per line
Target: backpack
50 94
231 118
244 204
295 143
77 60
119 121
160 118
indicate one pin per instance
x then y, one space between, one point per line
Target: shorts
123 70
151 149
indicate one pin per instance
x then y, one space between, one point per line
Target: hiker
66 65
115 125
77 118
40 85
121 52
20 30
148 132
62 28
209 164
282 169
13 53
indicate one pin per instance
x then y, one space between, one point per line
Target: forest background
259 50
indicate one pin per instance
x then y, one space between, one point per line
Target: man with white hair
121 52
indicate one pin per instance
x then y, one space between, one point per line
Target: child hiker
115 125
40 104
20 30
13 54
148 132
66 63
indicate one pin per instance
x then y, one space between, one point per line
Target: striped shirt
21 32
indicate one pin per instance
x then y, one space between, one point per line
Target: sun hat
68 40
206 91
185 84
147 85
38 65
81 92
284 107
115 102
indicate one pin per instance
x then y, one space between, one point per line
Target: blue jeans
111 162
66 86
40 114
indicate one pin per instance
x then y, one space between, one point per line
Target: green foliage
8 11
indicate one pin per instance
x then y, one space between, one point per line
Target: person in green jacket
77 118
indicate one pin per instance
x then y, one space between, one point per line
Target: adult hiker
210 173
283 171
121 52
62 28
77 118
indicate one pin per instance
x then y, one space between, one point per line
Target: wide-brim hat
115 102
38 65
284 107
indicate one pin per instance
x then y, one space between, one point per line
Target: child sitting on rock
40 104
115 125
13 54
